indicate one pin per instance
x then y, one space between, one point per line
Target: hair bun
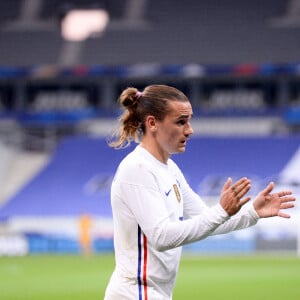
138 95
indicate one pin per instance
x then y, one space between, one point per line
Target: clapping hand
232 195
270 205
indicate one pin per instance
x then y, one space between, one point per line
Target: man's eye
181 122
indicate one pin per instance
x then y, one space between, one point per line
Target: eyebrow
185 116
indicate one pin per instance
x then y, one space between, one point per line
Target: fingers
231 195
244 189
287 199
245 200
268 189
283 215
227 184
267 204
285 202
238 191
284 193
241 187
286 205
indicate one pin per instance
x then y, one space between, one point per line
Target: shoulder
134 168
134 161
174 167
177 173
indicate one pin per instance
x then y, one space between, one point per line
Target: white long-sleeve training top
155 212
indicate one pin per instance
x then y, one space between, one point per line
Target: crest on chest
177 193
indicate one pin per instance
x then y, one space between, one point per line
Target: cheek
173 136
167 138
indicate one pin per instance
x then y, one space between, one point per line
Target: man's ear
151 123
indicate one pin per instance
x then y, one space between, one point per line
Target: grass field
200 277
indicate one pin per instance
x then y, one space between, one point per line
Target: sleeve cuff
253 213
221 212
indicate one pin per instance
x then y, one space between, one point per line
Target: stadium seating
77 180
211 50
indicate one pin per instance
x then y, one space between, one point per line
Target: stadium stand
77 178
238 62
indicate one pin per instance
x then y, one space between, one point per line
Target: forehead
179 108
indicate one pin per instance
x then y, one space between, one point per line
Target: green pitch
200 277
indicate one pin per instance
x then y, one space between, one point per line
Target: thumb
227 184
268 189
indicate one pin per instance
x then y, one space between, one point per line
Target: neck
156 151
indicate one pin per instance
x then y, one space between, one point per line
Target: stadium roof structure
165 32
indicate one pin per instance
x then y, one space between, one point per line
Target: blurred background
63 64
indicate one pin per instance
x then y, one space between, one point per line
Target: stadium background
237 61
